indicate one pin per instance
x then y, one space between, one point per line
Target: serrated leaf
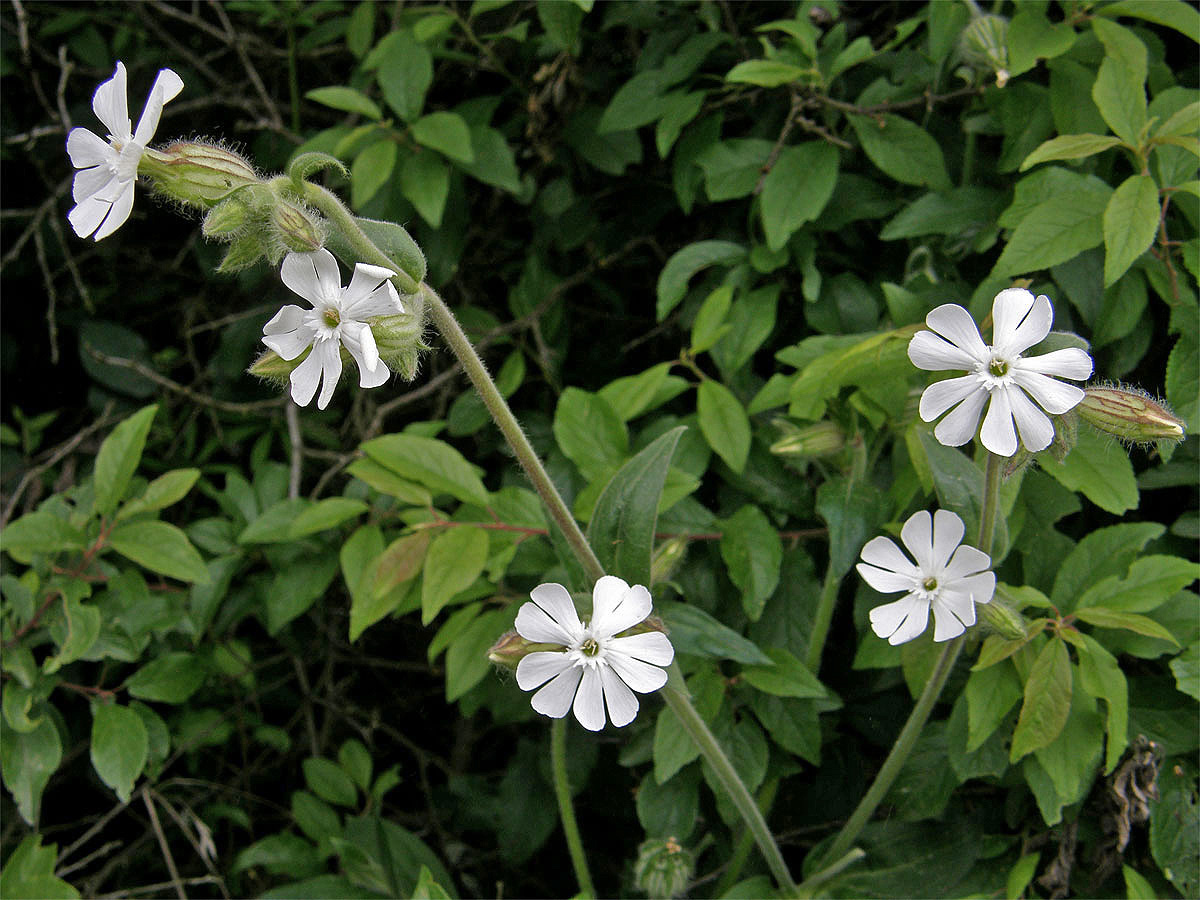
1130 223
1047 700
161 548
118 459
119 747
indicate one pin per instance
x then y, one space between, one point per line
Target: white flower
337 319
998 372
595 667
103 189
947 577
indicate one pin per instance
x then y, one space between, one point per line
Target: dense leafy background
248 648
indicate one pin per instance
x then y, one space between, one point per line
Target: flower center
998 368
930 584
331 316
590 647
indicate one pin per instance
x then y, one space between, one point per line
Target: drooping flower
103 188
338 318
947 578
1019 388
595 668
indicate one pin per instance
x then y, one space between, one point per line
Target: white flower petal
374 379
558 605
948 532
1053 396
358 339
946 623
901 620
554 699
1034 426
97 182
651 646
980 588
535 669
118 214
633 608
884 580
371 293
166 87
305 378
917 535
534 624
589 701
607 594
620 700
1071 362
111 105
955 324
959 426
331 369
883 552
87 149
327 273
287 334
967 560
928 351
86 216
1009 311
941 395
299 273
997 433
640 676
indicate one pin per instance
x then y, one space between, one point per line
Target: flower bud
398 338
244 252
667 557
663 868
1129 414
510 649
1000 618
296 227
984 44
227 219
817 440
197 173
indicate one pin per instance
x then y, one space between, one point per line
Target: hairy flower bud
667 557
227 219
296 227
984 44
1129 414
817 440
1000 618
197 173
664 867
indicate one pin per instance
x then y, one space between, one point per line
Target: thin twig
162 843
291 413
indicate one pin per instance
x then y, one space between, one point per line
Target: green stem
735 788
824 616
745 840
991 502
566 811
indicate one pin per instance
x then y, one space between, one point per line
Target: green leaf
1186 669
427 888
588 431
371 170
1099 468
466 658
1055 231
787 678
951 214
733 168
388 482
1021 874
400 562
296 586
455 559
405 72
346 99
990 694
767 73
1120 96
1136 887
324 514
853 510
29 872
1070 146
637 102
166 489
561 23
1071 760
1176 14
797 189
669 807
75 633
902 149
40 532
1175 827
119 747
1103 552
1101 676
1107 618
494 162
171 678
1047 700
709 325
430 462
1130 223
724 423
161 548
327 780
1031 37
27 760
316 818
686 262
445 132
1183 375
633 395
695 632
118 459
1152 581
621 529
356 762
753 554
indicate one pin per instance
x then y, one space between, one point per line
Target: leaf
621 530
118 459
75 634
1175 827
1103 552
371 170
494 162
1186 669
166 489
1183 375
327 780
40 532
455 559
1130 223
1053 232
561 23
1101 676
694 631
325 514
1099 468
119 747
1070 146
709 325
797 189
171 678
589 433
430 462
852 510
405 72
949 213
466 658
27 760
427 888
1120 95
346 99
637 102
1071 760
633 395
670 806
1107 618
1047 700
29 872
724 423
686 262
765 73
733 168
161 548
400 562
1176 14
1152 581
903 150
991 694
445 132
296 586
388 482
753 554
1031 37
788 677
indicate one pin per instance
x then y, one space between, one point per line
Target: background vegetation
244 647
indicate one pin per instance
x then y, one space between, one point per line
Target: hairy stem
824 616
566 811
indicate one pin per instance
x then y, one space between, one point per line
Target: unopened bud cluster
263 220
1129 414
664 868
